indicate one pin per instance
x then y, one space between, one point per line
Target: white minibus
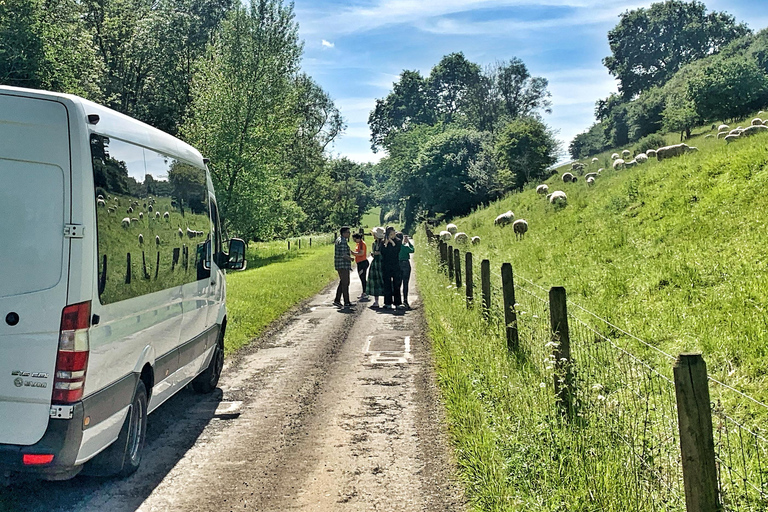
112 282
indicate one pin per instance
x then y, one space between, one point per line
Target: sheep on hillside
671 151
129 210
752 130
141 215
577 167
134 219
452 228
757 121
630 164
150 208
520 227
730 138
590 175
567 177
626 153
595 160
445 236
101 202
735 131
157 215
558 198
180 233
641 158
600 171
475 240
460 238
614 156
141 239
721 135
126 222
651 153
166 215
504 219
590 181
157 240
723 128
542 189
618 164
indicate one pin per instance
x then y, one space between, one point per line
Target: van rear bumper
61 439
64 438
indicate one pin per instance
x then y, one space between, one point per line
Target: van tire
207 381
123 457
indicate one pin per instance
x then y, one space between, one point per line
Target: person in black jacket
390 252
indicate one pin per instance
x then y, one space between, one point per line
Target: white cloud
328 44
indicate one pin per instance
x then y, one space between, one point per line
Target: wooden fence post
470 284
157 265
449 253
558 321
510 315
485 283
443 255
310 241
457 267
289 245
697 446
299 243
128 268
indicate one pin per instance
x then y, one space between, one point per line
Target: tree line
459 137
678 66
222 75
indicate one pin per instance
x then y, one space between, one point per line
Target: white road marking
389 356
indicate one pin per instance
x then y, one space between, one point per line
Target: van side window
152 220
217 249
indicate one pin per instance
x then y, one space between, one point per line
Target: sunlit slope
676 252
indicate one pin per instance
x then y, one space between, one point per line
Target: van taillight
72 358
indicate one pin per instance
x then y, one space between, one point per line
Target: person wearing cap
343 263
375 284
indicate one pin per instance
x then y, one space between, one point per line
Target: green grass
370 219
673 252
271 286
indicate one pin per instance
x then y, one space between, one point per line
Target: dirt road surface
332 411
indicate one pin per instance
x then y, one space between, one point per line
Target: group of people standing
385 275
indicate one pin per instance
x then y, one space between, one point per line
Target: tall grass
271 286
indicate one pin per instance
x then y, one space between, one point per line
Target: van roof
120 126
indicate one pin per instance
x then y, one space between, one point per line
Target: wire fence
633 401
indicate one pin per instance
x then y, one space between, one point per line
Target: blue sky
356 49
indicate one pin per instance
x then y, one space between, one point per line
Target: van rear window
32 209
153 220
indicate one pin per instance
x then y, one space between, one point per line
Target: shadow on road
172 429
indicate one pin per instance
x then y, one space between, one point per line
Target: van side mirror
236 254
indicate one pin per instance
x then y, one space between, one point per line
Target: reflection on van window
153 220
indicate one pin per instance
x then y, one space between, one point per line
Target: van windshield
32 209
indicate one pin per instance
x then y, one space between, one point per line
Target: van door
34 259
217 274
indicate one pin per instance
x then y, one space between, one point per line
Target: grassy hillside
674 251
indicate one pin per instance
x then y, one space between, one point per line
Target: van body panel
34 206
156 299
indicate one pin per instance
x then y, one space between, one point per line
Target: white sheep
111 210
504 219
723 128
166 216
614 156
520 226
735 131
651 153
757 128
618 164
129 210
101 202
141 239
134 219
461 238
126 222
157 215
641 158
757 121
600 171
100 197
567 177
630 164
141 215
157 240
558 198
590 181
452 228
542 189
191 233
721 135
731 138
626 153
595 160
444 236
150 208
475 240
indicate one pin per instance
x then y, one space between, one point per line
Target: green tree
728 88
451 83
409 104
525 149
588 143
243 115
650 44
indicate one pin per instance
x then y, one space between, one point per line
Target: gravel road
331 411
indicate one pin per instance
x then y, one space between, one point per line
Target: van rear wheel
123 456
209 379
